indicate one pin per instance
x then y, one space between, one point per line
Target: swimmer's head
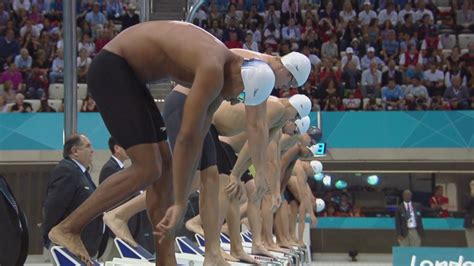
258 79
303 124
298 65
301 103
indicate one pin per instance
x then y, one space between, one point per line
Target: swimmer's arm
301 178
287 164
189 141
257 135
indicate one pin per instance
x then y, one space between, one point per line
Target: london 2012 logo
459 262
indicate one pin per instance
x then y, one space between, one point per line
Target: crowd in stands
31 46
366 54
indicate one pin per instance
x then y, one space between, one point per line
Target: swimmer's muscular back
230 120
161 49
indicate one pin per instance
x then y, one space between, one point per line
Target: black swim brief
124 102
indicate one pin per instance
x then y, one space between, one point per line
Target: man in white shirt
350 57
421 11
366 15
249 44
417 89
388 14
407 10
434 80
369 57
371 81
408 223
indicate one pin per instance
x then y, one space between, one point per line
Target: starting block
128 251
64 257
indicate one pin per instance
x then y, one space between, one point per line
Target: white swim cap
320 205
303 124
299 66
259 81
317 166
301 103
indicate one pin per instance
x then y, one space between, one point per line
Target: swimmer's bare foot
243 257
119 227
301 244
61 236
259 249
275 247
284 244
228 257
193 226
215 261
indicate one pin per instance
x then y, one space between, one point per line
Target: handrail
193 9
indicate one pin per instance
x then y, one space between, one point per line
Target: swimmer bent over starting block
117 81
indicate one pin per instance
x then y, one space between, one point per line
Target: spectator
329 49
312 40
314 59
9 47
95 17
29 28
215 30
45 44
69 185
260 4
351 80
234 41
453 72
328 95
392 96
21 4
291 31
308 90
352 103
293 12
457 95
233 14
14 75
114 9
56 75
390 14
214 14
392 73
350 57
8 91
390 47
434 80
256 34
437 104
402 15
44 106
367 14
439 203
408 27
372 105
408 224
103 38
469 216
351 32
417 89
369 57
373 32
421 11
35 15
468 59
271 17
345 208
249 43
371 81
4 17
272 37
347 14
3 104
431 45
83 63
410 58
130 18
23 62
20 105
89 105
465 18
407 41
87 44
455 57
